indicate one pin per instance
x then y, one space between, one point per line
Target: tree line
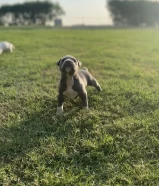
30 13
134 12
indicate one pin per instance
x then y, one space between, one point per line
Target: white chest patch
69 92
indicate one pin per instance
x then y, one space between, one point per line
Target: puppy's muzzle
68 69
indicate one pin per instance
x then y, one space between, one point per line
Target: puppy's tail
84 68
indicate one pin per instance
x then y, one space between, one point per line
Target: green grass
115 143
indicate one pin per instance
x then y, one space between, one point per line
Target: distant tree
32 12
134 12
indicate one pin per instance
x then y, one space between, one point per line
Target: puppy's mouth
68 69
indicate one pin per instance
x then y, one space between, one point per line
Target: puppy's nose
68 69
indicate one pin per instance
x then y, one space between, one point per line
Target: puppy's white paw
59 110
85 108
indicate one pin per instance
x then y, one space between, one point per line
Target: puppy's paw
59 110
85 108
99 88
59 113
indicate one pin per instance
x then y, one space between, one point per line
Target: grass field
115 143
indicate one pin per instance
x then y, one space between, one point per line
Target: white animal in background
6 47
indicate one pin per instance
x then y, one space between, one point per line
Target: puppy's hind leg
95 84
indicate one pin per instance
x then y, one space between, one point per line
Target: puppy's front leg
84 98
60 103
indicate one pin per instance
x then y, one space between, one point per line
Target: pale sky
90 12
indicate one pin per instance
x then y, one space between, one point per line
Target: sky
88 12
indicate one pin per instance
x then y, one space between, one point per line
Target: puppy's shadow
21 137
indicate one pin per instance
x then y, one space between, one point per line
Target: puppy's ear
58 63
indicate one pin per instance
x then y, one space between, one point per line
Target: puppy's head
68 64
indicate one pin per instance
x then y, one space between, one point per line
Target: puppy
6 47
73 81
